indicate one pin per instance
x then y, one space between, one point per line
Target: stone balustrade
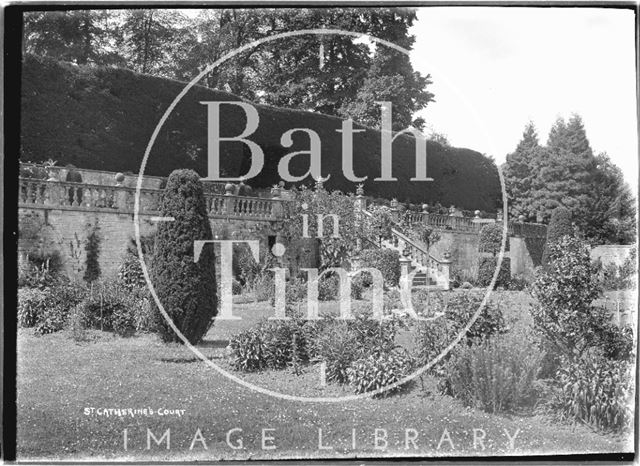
52 194
473 225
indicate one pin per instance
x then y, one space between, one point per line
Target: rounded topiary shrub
560 225
186 289
491 238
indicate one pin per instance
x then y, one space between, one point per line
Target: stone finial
360 190
119 179
275 191
229 188
425 207
476 214
452 210
394 203
521 218
499 215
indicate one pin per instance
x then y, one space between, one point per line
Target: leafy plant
594 390
32 304
379 370
248 350
272 344
496 375
565 290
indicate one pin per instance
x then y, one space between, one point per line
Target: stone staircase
424 270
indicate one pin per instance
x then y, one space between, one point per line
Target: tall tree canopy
331 74
566 173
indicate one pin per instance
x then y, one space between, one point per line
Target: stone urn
119 179
229 188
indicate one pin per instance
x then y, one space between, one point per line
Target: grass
58 379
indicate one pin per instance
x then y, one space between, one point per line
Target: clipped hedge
101 118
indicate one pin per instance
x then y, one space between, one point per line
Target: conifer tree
186 289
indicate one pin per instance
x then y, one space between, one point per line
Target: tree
565 176
611 213
77 36
147 38
186 289
520 173
559 227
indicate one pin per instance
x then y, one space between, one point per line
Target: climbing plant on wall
92 248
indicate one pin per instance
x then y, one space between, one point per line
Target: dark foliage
186 289
99 117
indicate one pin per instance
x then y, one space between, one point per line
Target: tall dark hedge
101 118
187 290
560 225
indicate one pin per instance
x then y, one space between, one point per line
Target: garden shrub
32 304
490 240
560 225
487 267
123 321
284 342
53 319
76 324
433 336
565 290
387 261
329 287
594 390
40 270
56 304
615 343
263 286
248 350
459 309
106 304
272 344
245 267
496 375
336 346
130 271
296 290
187 289
379 370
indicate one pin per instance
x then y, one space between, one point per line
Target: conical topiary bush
187 290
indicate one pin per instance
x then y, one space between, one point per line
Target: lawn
59 382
